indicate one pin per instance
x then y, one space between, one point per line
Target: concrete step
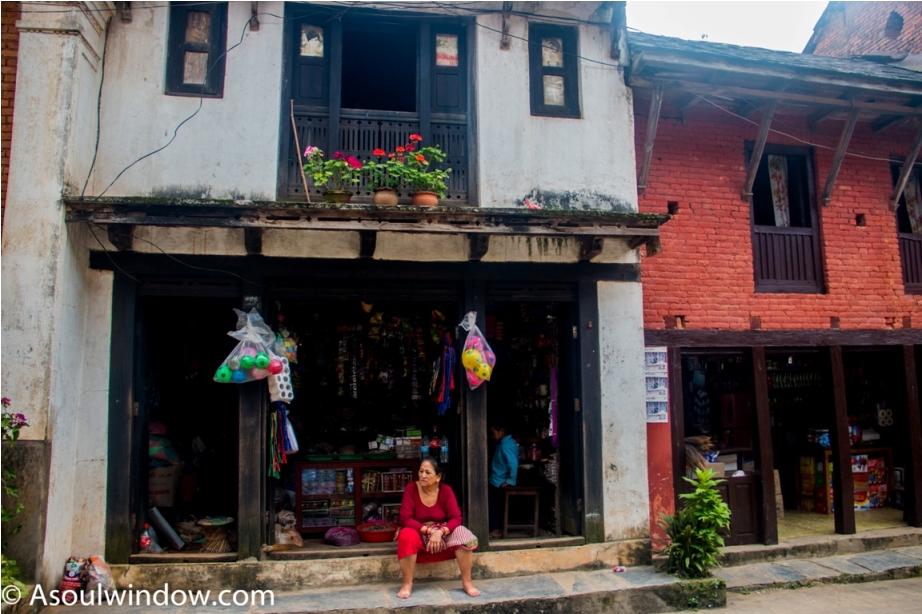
889 564
815 546
639 590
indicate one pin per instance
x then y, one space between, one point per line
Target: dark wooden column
764 446
122 453
477 474
425 82
251 456
336 85
842 483
913 478
591 409
677 421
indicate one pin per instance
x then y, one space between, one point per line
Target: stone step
823 546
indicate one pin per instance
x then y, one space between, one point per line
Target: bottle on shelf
443 445
435 446
145 538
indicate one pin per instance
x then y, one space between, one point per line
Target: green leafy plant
12 423
417 172
339 173
694 530
386 171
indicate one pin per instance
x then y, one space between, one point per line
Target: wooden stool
521 491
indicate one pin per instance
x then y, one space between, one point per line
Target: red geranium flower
401 149
411 147
415 137
391 155
353 162
378 152
400 159
420 158
339 156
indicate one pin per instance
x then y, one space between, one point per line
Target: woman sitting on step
431 530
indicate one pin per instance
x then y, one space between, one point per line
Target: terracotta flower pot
337 196
385 196
424 199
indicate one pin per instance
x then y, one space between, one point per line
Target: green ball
246 362
262 360
223 374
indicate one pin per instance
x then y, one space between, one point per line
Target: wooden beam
589 248
686 103
254 17
913 515
617 27
677 421
505 41
747 108
637 66
369 240
758 149
885 121
654 246
846 136
907 168
817 117
121 236
782 338
253 241
842 483
656 104
769 515
480 244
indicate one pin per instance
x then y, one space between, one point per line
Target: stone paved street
892 597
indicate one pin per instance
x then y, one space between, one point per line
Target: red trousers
410 542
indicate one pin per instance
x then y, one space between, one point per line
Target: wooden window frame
782 286
177 46
570 70
896 166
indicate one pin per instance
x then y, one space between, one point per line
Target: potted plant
385 176
337 174
427 185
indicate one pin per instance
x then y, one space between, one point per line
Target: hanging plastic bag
253 358
477 357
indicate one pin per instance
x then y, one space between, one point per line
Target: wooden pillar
336 85
425 82
842 483
477 472
677 421
913 478
590 387
764 447
123 455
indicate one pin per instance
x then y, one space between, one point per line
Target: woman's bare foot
469 588
405 591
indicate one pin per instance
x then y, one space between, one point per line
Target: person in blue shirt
503 471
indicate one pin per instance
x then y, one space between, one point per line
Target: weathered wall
706 270
848 29
582 163
9 13
624 428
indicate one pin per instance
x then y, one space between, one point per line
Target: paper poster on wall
656 384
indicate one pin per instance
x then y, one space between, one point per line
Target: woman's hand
436 543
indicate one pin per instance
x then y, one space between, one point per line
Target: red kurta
414 514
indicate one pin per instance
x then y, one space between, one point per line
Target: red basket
376 532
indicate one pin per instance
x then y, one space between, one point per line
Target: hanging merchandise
477 357
443 376
276 445
252 359
286 343
291 441
280 388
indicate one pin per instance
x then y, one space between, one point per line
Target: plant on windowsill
427 185
385 176
336 175
694 531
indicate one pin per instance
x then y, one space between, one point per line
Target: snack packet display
477 357
253 358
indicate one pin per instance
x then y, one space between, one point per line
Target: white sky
785 26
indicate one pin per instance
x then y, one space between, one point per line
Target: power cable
108 255
102 79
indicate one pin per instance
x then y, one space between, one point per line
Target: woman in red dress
431 530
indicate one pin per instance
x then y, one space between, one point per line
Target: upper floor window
553 70
196 49
786 249
909 225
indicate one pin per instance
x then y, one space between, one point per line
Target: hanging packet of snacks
253 358
477 357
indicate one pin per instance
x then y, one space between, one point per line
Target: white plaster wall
228 150
624 427
588 160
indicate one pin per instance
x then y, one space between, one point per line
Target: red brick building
9 14
849 29
786 292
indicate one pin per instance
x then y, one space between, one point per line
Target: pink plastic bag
477 357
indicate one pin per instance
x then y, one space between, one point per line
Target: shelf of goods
871 472
334 493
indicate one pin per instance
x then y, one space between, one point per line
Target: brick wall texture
9 14
705 271
848 29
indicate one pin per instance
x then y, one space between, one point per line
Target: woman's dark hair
434 462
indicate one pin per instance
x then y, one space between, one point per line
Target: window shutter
311 52
449 92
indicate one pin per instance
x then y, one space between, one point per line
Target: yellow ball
471 359
484 371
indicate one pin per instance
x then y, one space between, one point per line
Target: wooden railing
911 259
785 260
361 132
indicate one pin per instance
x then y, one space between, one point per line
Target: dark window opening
553 68
780 193
379 68
196 49
894 25
909 226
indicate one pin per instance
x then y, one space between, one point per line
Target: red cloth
414 514
409 542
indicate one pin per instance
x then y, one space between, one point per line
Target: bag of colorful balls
477 357
253 358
